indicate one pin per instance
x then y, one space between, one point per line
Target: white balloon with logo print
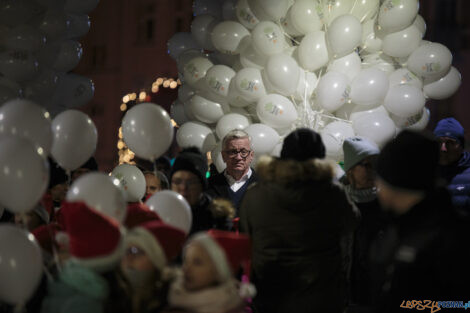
196 134
405 104
218 79
369 87
397 15
249 84
245 15
276 111
195 70
404 76
230 37
332 91
132 181
304 17
333 136
268 39
431 61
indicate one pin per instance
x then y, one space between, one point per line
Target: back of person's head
303 144
409 162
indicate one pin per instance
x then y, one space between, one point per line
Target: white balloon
147 130
188 111
422 122
333 136
350 65
17 12
379 61
249 85
230 37
177 113
251 58
99 192
283 73
185 56
228 10
430 61
444 87
230 122
75 138
54 24
211 7
263 138
404 102
218 79
62 56
195 134
132 180
172 208
195 70
79 25
420 23
201 29
404 76
376 127
18 65
185 92
276 111
21 270
24 176
42 87
217 158
80 6
371 43
244 14
179 43
268 39
26 119
344 35
402 43
304 16
74 90
307 83
272 10
365 9
369 87
333 9
397 15
333 91
207 111
313 51
24 38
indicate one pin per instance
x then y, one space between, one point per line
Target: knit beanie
450 127
161 242
357 149
303 144
191 160
409 161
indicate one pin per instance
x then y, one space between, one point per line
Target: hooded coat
296 216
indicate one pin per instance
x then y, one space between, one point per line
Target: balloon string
286 34
69 177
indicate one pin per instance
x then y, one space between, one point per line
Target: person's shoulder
216 179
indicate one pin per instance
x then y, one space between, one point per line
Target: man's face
237 155
450 151
362 175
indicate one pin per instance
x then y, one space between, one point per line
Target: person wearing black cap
296 216
188 178
454 163
422 255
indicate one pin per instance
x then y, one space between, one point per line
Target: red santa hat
228 250
94 238
161 242
139 213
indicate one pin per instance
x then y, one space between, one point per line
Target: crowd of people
286 236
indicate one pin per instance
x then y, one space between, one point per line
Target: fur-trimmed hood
286 172
297 185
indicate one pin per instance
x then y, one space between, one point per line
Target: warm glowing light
142 95
166 83
133 96
155 89
125 99
160 81
173 85
123 107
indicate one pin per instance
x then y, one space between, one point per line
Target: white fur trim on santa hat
104 263
216 253
146 240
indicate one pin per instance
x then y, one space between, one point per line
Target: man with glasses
454 162
188 178
233 182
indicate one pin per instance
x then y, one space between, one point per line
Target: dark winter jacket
423 255
296 217
458 179
219 188
202 216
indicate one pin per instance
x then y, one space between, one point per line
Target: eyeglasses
187 183
449 142
233 153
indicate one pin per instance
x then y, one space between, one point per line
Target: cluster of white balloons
341 67
38 47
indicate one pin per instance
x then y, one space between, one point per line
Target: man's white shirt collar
235 185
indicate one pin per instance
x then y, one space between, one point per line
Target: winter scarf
361 195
